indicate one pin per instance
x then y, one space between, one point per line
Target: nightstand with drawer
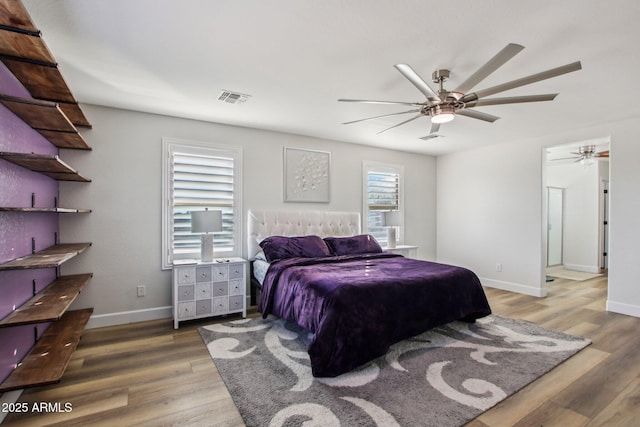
205 289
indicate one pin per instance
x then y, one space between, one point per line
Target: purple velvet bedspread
356 306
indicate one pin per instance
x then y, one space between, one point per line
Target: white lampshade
393 218
206 221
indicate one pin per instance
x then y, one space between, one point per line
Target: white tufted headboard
265 223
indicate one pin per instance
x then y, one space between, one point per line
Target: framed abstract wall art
306 175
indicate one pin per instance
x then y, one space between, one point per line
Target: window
382 193
197 176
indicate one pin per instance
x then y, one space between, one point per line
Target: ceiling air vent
233 97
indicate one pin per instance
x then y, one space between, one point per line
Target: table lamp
206 222
392 219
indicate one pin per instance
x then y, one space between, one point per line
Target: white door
555 226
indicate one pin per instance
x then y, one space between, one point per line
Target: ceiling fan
586 154
444 105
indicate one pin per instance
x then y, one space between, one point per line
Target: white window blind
198 177
382 193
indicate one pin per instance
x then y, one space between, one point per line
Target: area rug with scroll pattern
444 377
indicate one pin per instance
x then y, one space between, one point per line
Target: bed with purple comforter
358 304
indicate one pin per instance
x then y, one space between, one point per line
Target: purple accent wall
18 228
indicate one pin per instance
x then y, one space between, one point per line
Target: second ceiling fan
442 106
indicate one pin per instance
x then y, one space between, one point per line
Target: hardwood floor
149 374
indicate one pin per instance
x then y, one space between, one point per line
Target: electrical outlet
141 290
498 267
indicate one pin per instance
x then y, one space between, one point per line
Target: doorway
575 189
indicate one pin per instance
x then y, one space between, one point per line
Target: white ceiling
297 57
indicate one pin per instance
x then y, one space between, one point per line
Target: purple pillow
281 247
361 244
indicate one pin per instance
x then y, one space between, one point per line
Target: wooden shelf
47 164
49 358
27 56
48 119
28 45
49 304
44 81
51 257
13 14
46 210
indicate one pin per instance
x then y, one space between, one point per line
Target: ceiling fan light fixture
587 153
441 114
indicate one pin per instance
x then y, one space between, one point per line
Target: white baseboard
622 308
515 287
124 317
585 268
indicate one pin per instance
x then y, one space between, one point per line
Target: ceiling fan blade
554 72
417 81
566 158
603 154
379 117
431 136
487 69
400 124
511 100
477 115
435 127
365 101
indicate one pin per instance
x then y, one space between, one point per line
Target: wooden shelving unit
48 359
46 164
49 304
53 112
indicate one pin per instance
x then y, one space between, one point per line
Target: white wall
125 195
624 228
490 205
489 213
